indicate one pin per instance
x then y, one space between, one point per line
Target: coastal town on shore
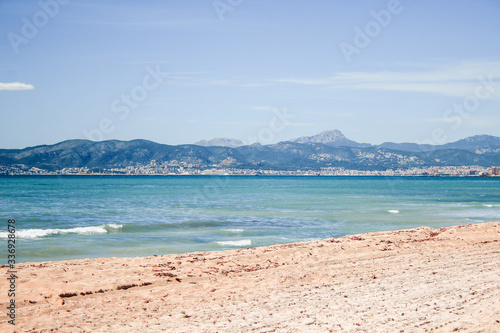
174 168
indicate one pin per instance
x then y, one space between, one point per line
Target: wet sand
418 280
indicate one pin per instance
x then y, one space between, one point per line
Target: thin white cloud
456 79
251 85
147 24
476 120
135 16
460 79
265 108
303 124
192 81
16 86
485 123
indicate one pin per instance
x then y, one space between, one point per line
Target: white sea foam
243 242
234 230
38 233
393 211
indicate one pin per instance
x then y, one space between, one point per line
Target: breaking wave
38 233
243 242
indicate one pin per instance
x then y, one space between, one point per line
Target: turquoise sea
60 218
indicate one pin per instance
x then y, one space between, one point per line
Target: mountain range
336 138
221 142
326 149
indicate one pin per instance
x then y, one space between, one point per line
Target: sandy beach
418 280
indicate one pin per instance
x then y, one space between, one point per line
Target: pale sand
420 280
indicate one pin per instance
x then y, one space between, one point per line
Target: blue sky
181 71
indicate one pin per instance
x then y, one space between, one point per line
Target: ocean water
59 218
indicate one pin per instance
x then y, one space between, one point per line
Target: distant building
495 171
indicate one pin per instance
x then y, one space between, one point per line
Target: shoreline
415 279
256 175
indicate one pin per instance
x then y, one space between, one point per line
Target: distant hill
477 143
281 156
220 142
474 143
107 154
333 138
407 146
